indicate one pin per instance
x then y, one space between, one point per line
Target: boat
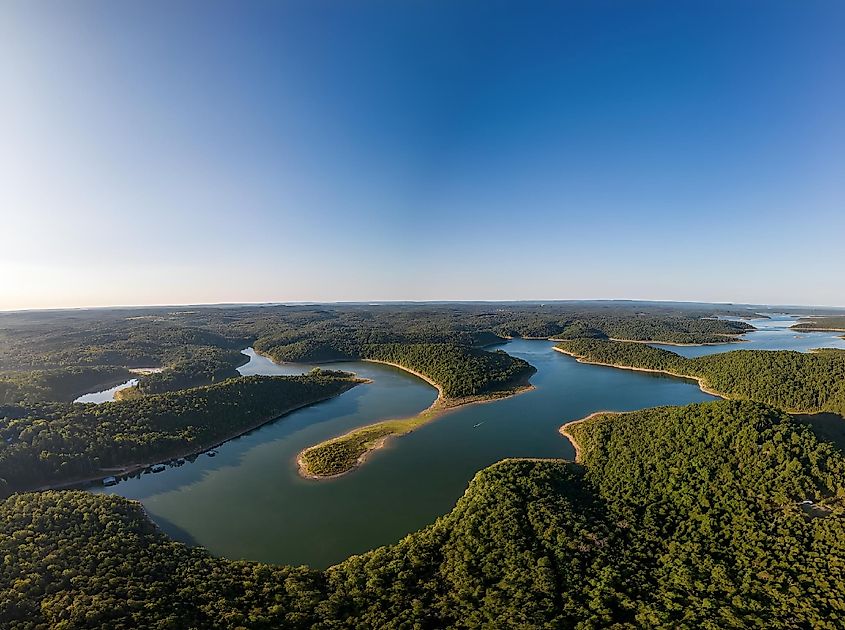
110 481
158 468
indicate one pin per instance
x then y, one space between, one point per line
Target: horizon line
749 305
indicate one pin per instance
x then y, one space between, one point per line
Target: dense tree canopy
681 517
796 381
50 443
58 384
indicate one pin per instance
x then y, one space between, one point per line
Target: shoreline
131 469
702 384
565 427
803 329
440 407
730 339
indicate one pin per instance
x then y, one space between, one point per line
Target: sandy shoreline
565 430
728 339
702 384
441 406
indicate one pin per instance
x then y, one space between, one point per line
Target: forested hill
201 345
681 517
796 381
46 443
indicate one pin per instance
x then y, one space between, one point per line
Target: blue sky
192 152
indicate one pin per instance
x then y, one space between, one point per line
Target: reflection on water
107 394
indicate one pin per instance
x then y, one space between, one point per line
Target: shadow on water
175 532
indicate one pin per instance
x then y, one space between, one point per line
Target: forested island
725 514
51 443
795 381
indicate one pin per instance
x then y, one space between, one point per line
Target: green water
249 502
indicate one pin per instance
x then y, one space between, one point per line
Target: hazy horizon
165 153
759 306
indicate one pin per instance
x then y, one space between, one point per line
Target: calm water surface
771 334
107 394
249 502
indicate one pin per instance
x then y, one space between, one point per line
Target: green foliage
339 455
193 366
458 370
681 517
804 382
42 444
714 495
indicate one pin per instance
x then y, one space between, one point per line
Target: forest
691 516
796 381
45 443
201 345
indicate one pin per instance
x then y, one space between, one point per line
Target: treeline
681 517
52 443
192 367
59 384
796 381
146 337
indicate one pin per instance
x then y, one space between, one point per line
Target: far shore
814 329
728 339
702 384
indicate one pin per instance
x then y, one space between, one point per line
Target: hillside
680 517
797 381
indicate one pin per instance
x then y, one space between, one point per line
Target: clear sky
191 152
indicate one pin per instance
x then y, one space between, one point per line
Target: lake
249 501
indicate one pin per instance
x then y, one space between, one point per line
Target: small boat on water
158 468
475 426
211 453
110 481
